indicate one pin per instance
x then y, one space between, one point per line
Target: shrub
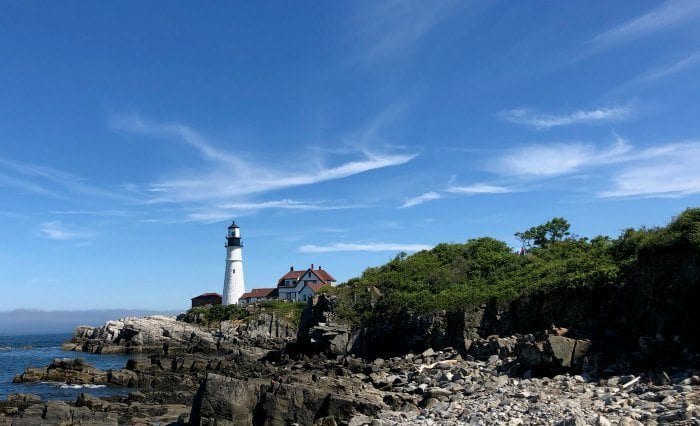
456 276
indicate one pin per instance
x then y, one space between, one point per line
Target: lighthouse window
233 271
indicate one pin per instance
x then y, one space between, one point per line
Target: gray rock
57 411
602 421
628 421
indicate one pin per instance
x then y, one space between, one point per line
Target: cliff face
550 331
411 333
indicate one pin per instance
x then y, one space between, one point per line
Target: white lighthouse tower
233 279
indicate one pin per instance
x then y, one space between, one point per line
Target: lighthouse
233 278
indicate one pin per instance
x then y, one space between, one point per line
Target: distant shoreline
24 322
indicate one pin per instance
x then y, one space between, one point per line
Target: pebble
486 396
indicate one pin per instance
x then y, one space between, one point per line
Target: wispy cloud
228 210
334 247
230 177
545 121
12 215
667 171
420 199
106 213
479 188
659 72
473 189
663 170
667 15
48 181
56 230
390 27
557 159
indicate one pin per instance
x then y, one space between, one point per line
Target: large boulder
224 400
66 370
553 352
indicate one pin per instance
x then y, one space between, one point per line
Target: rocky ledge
28 409
165 334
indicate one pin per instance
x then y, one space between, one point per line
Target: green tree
553 230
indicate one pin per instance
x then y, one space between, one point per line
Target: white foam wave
86 386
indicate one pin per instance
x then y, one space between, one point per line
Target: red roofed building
258 294
299 285
206 299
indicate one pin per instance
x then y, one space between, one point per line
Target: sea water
19 352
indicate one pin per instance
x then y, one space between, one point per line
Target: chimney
312 266
291 268
319 267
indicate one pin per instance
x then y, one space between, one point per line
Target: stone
428 352
57 411
692 411
669 400
122 378
360 420
628 421
661 378
562 349
429 403
602 421
572 421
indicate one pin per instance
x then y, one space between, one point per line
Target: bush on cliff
456 276
291 311
212 315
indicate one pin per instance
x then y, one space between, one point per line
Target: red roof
325 276
295 275
208 295
292 275
257 293
316 287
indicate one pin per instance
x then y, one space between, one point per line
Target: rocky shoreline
266 370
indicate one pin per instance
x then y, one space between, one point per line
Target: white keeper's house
297 285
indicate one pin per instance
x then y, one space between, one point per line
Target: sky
334 133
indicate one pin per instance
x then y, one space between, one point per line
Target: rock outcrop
72 371
166 335
261 329
27 409
137 335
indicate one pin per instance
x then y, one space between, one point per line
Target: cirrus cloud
540 120
334 247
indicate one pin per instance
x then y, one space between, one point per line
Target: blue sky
335 133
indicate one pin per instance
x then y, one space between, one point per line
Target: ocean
19 352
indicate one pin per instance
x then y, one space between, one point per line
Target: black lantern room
233 238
